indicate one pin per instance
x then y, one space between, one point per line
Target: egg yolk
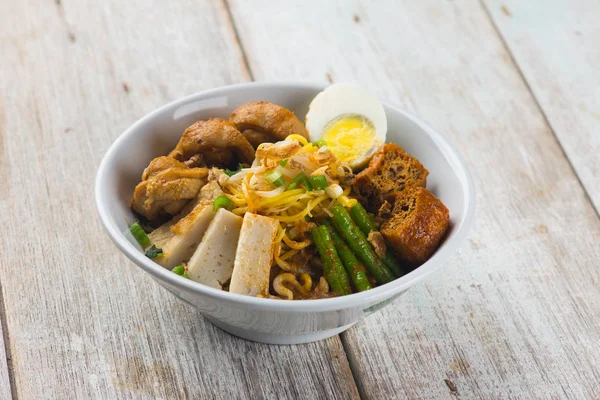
349 137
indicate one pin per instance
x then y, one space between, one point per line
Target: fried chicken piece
256 138
217 140
275 122
276 151
160 164
167 186
217 175
210 191
196 161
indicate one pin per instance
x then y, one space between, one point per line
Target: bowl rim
370 296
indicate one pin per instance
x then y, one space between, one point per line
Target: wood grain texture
83 321
5 387
516 314
555 44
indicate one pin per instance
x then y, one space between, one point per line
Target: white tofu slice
212 262
254 255
161 235
186 234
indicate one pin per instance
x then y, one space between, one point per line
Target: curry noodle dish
265 205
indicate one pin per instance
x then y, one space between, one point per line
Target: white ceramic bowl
257 319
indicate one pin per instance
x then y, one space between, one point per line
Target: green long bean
357 242
353 267
363 220
332 265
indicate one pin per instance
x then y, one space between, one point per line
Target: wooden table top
514 85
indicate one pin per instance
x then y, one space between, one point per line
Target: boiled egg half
350 120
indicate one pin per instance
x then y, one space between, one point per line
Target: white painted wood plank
555 44
516 314
84 322
5 389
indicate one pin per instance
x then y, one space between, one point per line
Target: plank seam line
238 40
351 364
7 347
537 104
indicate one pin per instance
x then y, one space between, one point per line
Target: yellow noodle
245 185
280 197
323 286
294 199
237 200
240 210
280 288
296 245
307 282
234 190
346 201
298 205
297 217
309 148
280 234
282 263
284 291
299 138
291 218
288 254
313 203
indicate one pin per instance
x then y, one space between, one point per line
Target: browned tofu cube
414 223
391 170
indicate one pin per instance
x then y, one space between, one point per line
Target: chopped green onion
279 182
334 190
318 182
283 162
154 252
320 143
179 270
299 179
229 172
272 176
138 233
222 202
307 184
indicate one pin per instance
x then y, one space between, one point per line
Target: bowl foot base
270 338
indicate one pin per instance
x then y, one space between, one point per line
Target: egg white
346 99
